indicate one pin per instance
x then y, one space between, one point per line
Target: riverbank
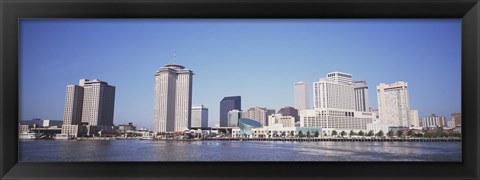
342 139
289 139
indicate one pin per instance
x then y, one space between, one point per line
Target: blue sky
259 60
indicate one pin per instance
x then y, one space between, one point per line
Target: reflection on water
134 150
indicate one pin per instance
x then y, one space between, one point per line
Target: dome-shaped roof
250 122
176 66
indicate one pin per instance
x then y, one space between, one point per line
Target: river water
138 150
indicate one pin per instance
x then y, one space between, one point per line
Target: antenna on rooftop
174 56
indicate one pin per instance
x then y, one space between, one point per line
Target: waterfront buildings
173 98
457 119
334 103
280 120
361 96
252 129
91 103
37 122
289 111
258 114
394 104
451 124
123 128
199 116
227 104
302 99
233 117
23 128
434 121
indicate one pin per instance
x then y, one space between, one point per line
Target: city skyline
209 64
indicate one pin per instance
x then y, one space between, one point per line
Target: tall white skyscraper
334 103
394 104
361 96
302 99
199 116
334 91
98 102
173 98
90 101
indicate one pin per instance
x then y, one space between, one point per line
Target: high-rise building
289 111
199 116
91 102
334 103
302 99
258 114
434 121
73 105
394 104
98 103
361 96
233 117
334 91
173 98
227 104
457 119
414 120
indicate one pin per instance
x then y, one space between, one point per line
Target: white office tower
393 104
361 96
302 99
334 103
73 105
334 91
173 98
199 116
233 117
414 120
98 102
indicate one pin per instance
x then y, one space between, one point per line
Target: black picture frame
12 10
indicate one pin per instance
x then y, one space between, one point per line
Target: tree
300 133
380 133
343 133
292 134
334 133
390 133
308 133
275 134
283 134
370 133
399 133
411 133
317 134
352 133
361 133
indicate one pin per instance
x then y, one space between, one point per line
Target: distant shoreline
286 139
